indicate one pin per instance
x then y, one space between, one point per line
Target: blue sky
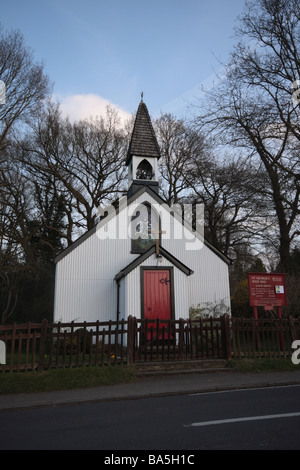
108 51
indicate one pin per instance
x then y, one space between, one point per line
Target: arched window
144 228
144 171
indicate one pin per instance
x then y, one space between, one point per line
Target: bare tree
180 145
252 106
24 83
15 207
83 161
24 87
225 188
192 173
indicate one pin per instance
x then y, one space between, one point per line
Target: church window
144 171
144 224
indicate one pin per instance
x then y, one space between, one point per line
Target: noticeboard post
267 290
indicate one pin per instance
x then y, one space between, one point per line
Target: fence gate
177 340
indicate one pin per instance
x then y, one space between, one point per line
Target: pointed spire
143 140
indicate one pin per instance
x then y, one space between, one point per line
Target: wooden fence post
292 329
180 339
12 352
43 339
226 337
130 339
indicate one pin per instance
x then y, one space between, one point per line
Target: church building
143 258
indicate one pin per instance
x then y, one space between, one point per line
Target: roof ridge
142 257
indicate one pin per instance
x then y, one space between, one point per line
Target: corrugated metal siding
86 289
85 285
210 281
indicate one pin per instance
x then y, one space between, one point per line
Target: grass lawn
84 377
65 379
263 365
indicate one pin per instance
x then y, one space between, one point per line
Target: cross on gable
156 234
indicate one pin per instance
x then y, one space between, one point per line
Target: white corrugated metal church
142 259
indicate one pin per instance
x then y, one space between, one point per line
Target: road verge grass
263 365
86 377
65 379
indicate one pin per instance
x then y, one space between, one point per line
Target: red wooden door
157 299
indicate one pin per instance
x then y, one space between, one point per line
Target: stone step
181 367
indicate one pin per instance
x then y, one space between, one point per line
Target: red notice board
267 290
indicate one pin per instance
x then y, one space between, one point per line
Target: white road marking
240 420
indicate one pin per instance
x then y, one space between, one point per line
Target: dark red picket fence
263 337
46 346
178 340
40 346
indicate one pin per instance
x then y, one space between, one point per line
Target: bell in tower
144 171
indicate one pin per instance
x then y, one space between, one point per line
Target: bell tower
143 153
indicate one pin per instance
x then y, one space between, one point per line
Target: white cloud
85 106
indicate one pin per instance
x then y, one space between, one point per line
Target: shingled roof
143 140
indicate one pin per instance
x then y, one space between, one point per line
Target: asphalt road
266 418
